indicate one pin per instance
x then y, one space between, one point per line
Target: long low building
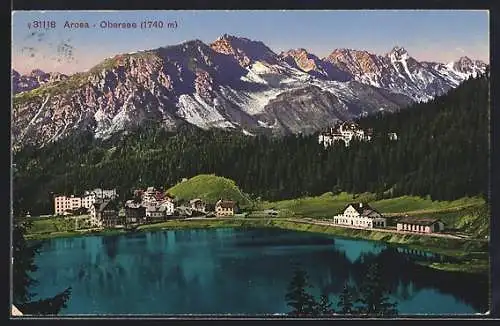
419 225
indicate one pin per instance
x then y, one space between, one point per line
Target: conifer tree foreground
324 306
298 297
373 296
24 255
346 303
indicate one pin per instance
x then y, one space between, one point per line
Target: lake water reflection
215 271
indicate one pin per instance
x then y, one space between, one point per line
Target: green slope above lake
210 188
468 214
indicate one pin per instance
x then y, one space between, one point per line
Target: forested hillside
442 152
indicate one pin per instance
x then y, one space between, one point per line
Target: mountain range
232 83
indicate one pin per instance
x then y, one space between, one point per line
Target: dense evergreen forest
442 151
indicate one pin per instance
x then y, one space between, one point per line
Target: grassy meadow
209 188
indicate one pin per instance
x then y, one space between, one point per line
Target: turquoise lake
237 271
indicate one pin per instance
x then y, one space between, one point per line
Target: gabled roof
166 203
226 203
131 205
363 209
196 200
106 204
359 207
418 220
370 213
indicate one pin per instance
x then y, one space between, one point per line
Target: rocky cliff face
314 66
232 83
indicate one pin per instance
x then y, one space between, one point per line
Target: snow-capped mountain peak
398 54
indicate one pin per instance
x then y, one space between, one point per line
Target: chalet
104 214
225 208
152 196
360 215
149 196
198 205
167 207
419 225
134 213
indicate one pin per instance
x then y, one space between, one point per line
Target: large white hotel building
63 203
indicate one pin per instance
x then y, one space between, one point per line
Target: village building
154 213
64 205
134 213
167 207
225 208
102 194
344 132
152 196
419 225
149 195
88 200
104 214
347 131
360 215
198 205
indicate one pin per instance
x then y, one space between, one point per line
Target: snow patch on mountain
196 111
250 102
247 133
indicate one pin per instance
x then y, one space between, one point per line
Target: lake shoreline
468 252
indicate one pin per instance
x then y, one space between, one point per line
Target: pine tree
23 255
297 297
324 306
346 301
374 296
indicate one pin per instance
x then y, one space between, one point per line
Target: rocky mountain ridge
233 83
